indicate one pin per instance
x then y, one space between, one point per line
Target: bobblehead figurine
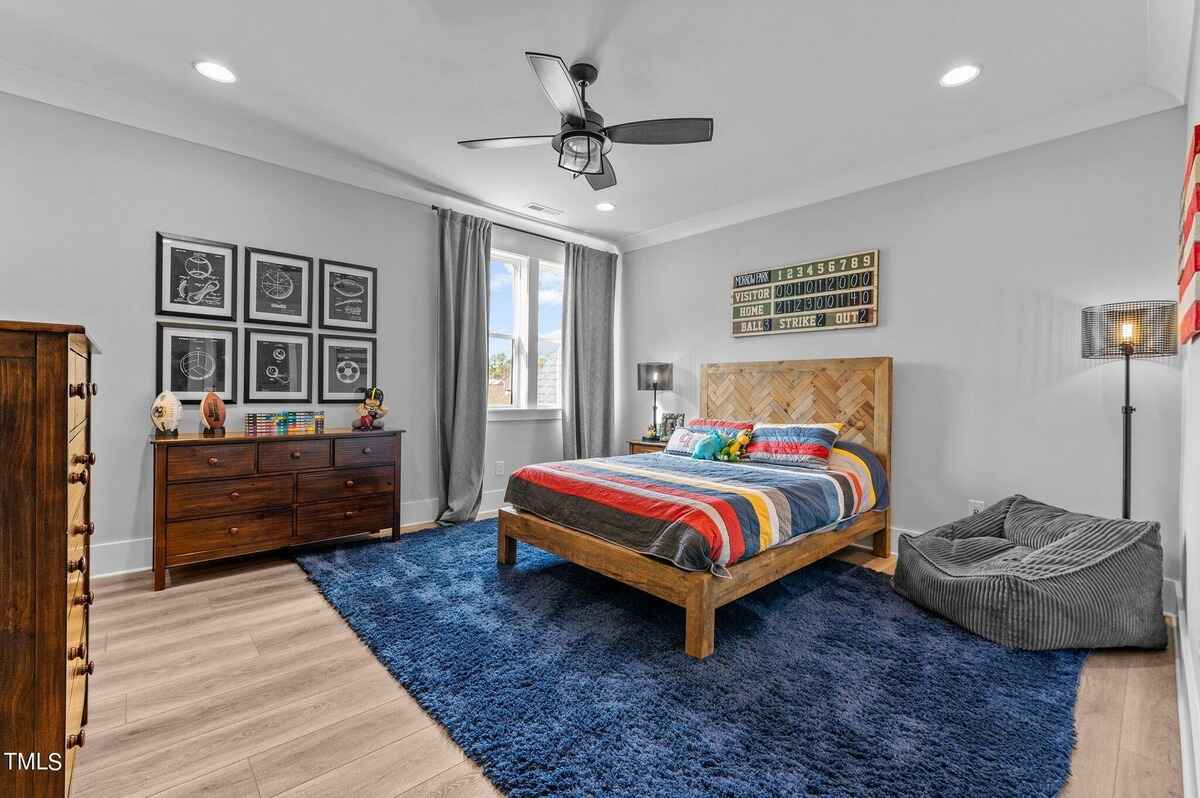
371 410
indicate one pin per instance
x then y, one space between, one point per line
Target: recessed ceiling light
959 76
214 71
605 206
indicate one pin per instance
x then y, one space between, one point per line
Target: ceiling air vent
543 209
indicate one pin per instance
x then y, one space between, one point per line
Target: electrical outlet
976 506
500 469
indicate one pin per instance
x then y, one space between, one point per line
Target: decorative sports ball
165 412
212 411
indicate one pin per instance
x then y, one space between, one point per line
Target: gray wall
80 201
984 268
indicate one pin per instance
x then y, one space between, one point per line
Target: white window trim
525 405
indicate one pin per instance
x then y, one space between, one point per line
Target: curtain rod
517 230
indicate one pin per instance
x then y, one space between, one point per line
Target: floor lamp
655 377
1127 330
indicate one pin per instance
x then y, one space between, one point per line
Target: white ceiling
811 99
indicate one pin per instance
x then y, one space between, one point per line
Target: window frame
526 271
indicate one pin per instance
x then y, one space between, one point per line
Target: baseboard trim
1187 692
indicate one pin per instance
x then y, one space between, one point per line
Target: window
525 315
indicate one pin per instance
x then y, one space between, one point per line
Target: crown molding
263 141
1121 107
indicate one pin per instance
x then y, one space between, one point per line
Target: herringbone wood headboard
856 391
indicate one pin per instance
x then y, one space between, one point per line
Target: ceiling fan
583 142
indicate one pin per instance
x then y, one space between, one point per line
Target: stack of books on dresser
285 422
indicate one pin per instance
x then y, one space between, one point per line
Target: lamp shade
655 376
1146 329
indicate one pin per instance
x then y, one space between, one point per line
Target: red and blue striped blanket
700 513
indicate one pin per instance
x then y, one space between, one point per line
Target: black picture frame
230 395
228 281
253 311
325 317
326 396
249 373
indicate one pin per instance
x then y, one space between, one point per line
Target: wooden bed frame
856 391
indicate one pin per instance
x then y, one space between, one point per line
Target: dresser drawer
210 461
365 450
332 519
228 534
293 455
193 499
345 483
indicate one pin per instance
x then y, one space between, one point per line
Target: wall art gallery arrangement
841 292
197 278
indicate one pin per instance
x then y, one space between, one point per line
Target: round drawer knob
77 652
235 495
349 513
88 669
79 389
233 530
84 459
367 450
80 477
76 740
86 600
349 483
296 455
95 390
212 461
76 565
85 529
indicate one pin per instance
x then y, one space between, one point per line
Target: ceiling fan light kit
583 142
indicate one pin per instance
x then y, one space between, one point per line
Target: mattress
701 514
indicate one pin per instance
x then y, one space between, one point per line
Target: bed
631 518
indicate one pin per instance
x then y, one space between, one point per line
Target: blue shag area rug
561 682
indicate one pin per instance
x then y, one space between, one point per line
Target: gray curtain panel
461 414
589 291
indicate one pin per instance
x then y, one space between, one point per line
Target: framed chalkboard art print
347 297
346 367
279 288
278 366
193 359
195 277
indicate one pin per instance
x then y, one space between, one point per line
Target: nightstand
646 447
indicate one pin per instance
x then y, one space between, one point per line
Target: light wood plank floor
240 681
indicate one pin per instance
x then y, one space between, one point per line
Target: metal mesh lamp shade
1146 329
1128 330
655 377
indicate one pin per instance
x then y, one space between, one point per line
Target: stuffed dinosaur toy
709 447
734 446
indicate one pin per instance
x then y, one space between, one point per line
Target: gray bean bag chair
1033 576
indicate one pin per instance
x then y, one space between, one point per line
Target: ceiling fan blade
662 131
605 179
505 143
556 82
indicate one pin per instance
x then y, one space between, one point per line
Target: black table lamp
1128 330
655 377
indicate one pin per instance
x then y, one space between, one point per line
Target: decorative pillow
722 425
683 441
793 444
709 446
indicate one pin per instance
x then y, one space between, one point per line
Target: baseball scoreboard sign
834 293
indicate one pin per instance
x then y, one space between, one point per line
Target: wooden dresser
46 392
237 494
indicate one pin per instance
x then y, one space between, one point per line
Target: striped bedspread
700 513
